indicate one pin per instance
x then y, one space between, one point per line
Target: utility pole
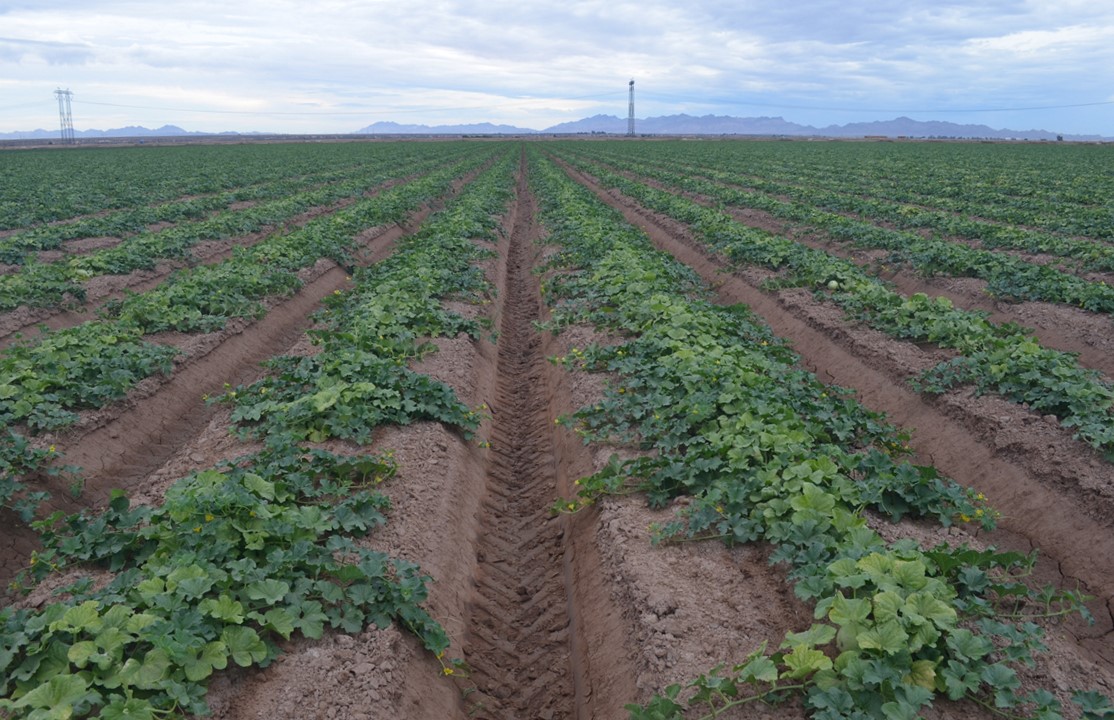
65 116
630 112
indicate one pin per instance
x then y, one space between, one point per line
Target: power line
37 103
781 106
339 112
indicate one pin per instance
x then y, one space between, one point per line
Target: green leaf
887 607
312 620
1093 705
922 674
894 710
213 656
80 652
263 488
1000 676
270 591
818 634
804 661
131 709
909 574
845 611
887 637
223 608
813 498
925 606
85 616
57 695
244 645
968 645
191 581
280 620
758 669
138 622
149 674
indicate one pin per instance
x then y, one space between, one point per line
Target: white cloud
533 63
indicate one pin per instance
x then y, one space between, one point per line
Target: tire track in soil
1076 549
521 640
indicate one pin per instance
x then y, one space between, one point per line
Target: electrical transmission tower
65 116
630 112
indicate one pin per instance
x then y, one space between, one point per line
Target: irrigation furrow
1035 510
519 643
1064 328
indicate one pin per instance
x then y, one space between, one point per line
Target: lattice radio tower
630 112
65 116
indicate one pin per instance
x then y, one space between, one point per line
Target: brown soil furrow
128 444
26 322
518 639
175 407
1057 326
1070 528
136 443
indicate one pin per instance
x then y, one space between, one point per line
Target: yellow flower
447 671
197 529
571 506
208 517
965 518
50 449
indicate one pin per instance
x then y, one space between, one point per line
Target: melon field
647 429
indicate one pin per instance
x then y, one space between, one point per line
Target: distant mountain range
664 125
124 132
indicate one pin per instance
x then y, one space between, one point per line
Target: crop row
1064 190
765 452
44 382
16 247
1007 276
41 186
49 284
1003 359
266 546
1088 253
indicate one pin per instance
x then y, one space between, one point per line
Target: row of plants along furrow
42 186
1062 190
53 284
45 382
1088 254
16 247
1007 276
763 452
257 550
1001 358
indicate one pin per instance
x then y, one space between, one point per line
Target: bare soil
572 616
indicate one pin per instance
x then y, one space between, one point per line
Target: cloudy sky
338 65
